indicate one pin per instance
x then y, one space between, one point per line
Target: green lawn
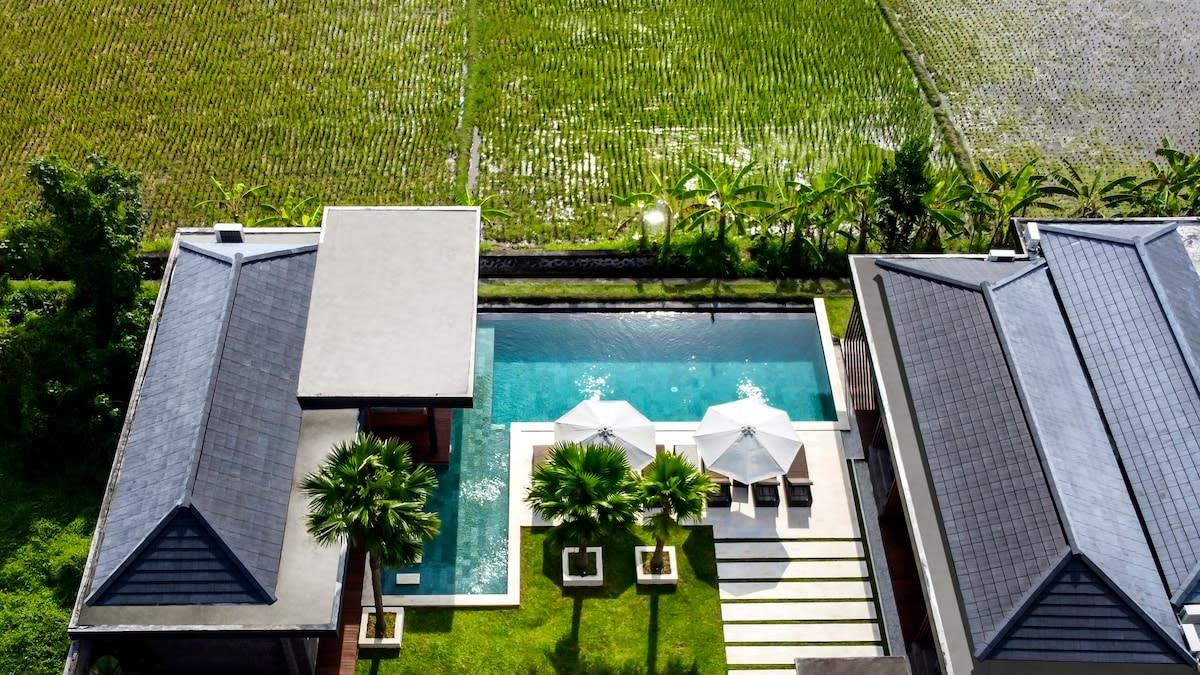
617 629
44 536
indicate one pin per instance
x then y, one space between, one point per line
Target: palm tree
679 490
371 493
589 490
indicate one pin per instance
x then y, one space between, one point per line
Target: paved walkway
796 583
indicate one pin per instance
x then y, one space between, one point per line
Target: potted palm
370 493
678 491
590 493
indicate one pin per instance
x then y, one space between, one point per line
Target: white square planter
372 642
645 578
573 581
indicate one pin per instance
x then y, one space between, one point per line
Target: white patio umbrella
610 422
747 440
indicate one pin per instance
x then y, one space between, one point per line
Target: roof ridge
897 265
1189 588
1035 432
1164 304
1018 610
214 371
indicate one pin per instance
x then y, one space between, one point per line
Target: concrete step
765 671
764 550
801 632
796 611
787 654
793 569
795 590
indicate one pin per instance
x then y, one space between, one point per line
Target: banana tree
726 199
1173 188
232 199
1092 197
1005 194
489 216
944 214
639 205
291 212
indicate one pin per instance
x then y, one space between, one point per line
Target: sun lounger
766 492
541 453
723 497
797 486
690 453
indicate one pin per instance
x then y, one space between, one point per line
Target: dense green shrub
31 249
706 254
67 357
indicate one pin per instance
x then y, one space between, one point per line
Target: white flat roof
392 315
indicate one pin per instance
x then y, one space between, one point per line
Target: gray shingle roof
214 430
1137 349
999 518
1097 512
1025 478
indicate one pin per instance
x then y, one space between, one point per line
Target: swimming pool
533 367
670 365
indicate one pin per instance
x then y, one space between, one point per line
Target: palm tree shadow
652 637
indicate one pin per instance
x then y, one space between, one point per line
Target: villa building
1030 422
266 348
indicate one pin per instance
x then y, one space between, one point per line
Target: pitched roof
212 441
1132 304
1024 475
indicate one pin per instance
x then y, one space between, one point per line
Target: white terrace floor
794 582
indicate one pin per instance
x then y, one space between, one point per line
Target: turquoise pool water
670 365
534 367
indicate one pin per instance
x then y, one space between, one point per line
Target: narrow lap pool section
533 367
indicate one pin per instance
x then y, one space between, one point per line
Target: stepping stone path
794 598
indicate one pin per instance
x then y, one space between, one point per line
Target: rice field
1097 83
354 100
576 99
550 104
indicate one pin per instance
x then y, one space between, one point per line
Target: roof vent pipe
1001 255
229 233
1032 239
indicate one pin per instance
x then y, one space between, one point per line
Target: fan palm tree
370 492
679 491
589 490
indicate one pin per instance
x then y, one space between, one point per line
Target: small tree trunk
656 562
581 559
377 589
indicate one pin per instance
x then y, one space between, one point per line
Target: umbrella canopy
747 440
610 423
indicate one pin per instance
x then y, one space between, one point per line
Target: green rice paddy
551 104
